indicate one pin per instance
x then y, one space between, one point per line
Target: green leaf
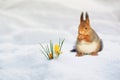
44 49
48 50
51 47
61 44
44 54
59 41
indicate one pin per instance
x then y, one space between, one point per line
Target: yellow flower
57 49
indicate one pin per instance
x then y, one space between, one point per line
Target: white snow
26 23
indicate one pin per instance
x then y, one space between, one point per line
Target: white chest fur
86 47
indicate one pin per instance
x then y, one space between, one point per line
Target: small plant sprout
51 51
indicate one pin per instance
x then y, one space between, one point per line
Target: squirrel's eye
86 28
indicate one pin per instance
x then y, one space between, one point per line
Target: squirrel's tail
73 50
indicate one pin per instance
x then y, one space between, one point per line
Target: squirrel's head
84 26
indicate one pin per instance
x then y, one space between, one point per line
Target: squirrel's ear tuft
81 18
87 17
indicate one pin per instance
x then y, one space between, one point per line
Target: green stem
44 54
61 44
51 47
44 49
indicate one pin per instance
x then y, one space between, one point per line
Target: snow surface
26 23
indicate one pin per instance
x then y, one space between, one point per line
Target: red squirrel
88 42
